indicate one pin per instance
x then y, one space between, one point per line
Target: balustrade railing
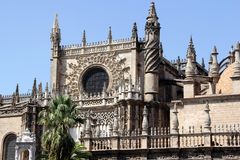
101 144
191 140
160 138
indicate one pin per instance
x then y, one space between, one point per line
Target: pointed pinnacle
152 11
214 51
46 88
203 63
237 47
134 30
84 38
55 24
110 33
191 41
17 89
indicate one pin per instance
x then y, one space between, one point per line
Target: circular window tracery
94 80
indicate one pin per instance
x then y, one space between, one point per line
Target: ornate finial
55 24
152 15
191 50
84 40
191 58
214 67
17 93
175 123
110 35
145 121
34 89
207 120
203 63
134 31
46 95
214 51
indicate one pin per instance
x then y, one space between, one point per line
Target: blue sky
26 25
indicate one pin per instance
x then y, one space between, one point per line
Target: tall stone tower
151 56
55 41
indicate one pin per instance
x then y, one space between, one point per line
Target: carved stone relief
114 66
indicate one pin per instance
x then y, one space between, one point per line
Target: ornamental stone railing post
144 138
207 126
174 127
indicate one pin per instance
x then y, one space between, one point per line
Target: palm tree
57 119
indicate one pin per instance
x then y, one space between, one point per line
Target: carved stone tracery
114 66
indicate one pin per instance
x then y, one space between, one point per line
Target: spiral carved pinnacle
151 56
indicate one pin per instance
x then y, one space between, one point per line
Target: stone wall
9 125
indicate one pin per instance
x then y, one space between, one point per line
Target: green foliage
57 119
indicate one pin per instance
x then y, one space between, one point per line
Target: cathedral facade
136 103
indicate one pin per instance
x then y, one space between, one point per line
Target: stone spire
17 94
134 31
46 95
209 65
110 35
191 50
55 37
203 63
236 68
152 15
39 91
151 56
214 69
84 40
34 89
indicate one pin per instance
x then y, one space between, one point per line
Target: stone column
151 56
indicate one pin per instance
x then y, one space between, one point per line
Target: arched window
9 147
94 80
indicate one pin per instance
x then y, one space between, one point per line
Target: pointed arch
9 143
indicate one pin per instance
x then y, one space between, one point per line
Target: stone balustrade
161 138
